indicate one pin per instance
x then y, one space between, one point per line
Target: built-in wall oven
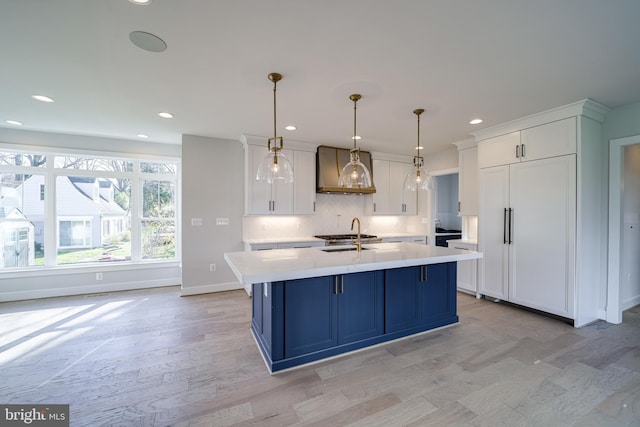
443 235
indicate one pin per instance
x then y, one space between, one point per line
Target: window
74 234
102 210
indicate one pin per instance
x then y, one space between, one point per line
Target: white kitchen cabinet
549 140
390 197
468 180
467 271
297 198
499 150
527 233
304 184
542 225
553 139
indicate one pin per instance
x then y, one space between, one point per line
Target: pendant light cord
274 112
354 123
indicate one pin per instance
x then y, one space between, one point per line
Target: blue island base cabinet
304 320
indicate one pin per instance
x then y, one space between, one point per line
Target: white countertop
287 264
282 240
463 241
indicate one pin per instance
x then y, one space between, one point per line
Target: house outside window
88 209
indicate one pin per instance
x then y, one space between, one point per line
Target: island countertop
287 264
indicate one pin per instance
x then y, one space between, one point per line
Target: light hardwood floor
153 358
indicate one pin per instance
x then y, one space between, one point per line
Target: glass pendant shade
418 179
354 174
275 167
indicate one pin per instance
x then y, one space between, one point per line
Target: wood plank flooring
153 358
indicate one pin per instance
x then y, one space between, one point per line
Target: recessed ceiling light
166 115
290 127
475 122
141 2
357 137
142 135
419 147
42 98
13 122
147 41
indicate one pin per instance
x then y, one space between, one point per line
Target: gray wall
620 123
212 187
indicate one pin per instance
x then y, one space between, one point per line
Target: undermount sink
341 249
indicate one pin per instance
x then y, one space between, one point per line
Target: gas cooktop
344 236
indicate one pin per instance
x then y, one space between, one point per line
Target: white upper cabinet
499 150
390 197
539 142
304 184
549 140
468 180
262 198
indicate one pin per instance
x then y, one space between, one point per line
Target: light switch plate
222 221
196 222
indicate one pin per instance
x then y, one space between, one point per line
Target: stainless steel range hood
329 163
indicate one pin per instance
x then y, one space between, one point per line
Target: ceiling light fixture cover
275 166
42 98
147 41
418 179
355 174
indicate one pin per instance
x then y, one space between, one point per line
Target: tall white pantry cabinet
541 222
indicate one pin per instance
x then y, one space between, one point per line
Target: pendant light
275 166
354 174
418 179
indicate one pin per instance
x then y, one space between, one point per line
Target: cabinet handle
511 216
335 285
522 150
423 273
342 284
517 151
314 206
504 227
374 207
459 204
273 203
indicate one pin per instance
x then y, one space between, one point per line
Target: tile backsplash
334 213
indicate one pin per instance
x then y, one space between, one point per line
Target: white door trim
616 170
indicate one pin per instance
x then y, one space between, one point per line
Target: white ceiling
458 59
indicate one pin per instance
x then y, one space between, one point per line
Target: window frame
136 177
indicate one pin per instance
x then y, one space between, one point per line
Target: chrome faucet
357 243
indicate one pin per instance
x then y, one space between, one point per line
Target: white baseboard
88 289
631 302
206 289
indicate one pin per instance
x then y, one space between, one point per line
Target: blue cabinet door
323 312
420 297
438 297
360 306
310 314
402 299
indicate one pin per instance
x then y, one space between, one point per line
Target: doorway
623 290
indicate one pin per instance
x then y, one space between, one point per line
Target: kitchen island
312 303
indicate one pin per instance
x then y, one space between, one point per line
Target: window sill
87 268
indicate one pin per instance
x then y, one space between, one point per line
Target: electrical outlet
98 276
212 267
196 222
